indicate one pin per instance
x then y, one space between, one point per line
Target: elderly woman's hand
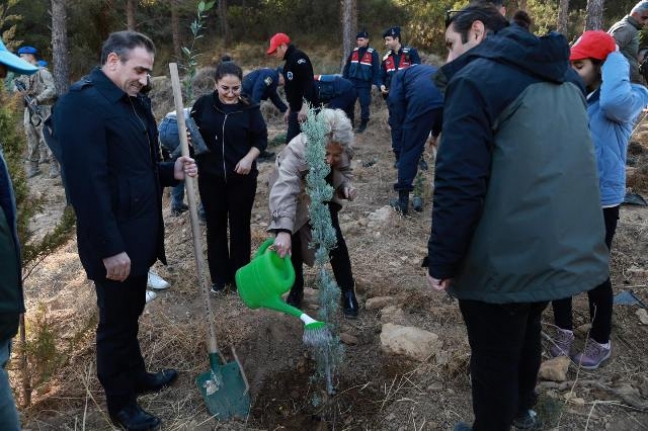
350 193
283 244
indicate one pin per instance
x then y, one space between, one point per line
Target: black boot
349 304
363 126
295 298
402 203
134 418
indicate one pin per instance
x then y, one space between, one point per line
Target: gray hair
340 128
640 7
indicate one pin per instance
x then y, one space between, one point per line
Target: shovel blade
224 390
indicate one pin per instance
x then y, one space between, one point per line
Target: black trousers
413 135
120 366
601 298
340 261
227 203
505 346
294 128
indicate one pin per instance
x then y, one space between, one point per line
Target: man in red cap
299 78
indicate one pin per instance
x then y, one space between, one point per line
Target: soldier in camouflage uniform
40 87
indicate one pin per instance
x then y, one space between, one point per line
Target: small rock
392 314
435 387
390 417
378 302
642 314
409 341
555 369
580 402
349 339
381 215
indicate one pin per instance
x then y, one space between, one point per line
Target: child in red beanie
613 105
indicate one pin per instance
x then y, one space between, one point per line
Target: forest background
69 33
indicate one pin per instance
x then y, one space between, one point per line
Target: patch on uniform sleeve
301 61
268 81
289 75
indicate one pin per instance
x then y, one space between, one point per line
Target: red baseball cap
595 44
276 41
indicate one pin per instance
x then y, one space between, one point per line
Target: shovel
224 386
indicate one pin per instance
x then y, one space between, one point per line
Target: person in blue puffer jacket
613 105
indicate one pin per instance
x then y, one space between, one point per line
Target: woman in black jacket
234 130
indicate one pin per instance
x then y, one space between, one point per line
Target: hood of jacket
546 57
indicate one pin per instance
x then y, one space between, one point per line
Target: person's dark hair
227 67
488 14
522 19
122 42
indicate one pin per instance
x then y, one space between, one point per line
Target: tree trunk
349 27
130 14
103 19
60 53
222 14
175 31
594 11
563 15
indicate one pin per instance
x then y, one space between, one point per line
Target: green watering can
263 281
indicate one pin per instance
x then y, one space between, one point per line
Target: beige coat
289 202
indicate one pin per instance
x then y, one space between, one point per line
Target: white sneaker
156 282
150 296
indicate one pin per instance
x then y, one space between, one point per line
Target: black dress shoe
295 298
349 304
155 382
134 418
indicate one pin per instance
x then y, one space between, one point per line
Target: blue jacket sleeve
276 101
461 178
414 57
259 89
85 162
618 101
396 101
375 65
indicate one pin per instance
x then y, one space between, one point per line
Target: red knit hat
595 44
276 41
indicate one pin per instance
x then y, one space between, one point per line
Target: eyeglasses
450 15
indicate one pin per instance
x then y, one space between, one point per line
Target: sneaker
561 344
593 354
527 421
156 282
150 296
462 426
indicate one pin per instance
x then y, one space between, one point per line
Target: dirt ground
375 391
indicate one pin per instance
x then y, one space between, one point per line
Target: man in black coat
114 178
298 73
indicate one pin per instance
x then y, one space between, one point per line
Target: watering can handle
262 249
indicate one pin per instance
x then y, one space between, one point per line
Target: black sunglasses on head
450 15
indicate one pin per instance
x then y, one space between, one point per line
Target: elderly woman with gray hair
289 204
626 35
